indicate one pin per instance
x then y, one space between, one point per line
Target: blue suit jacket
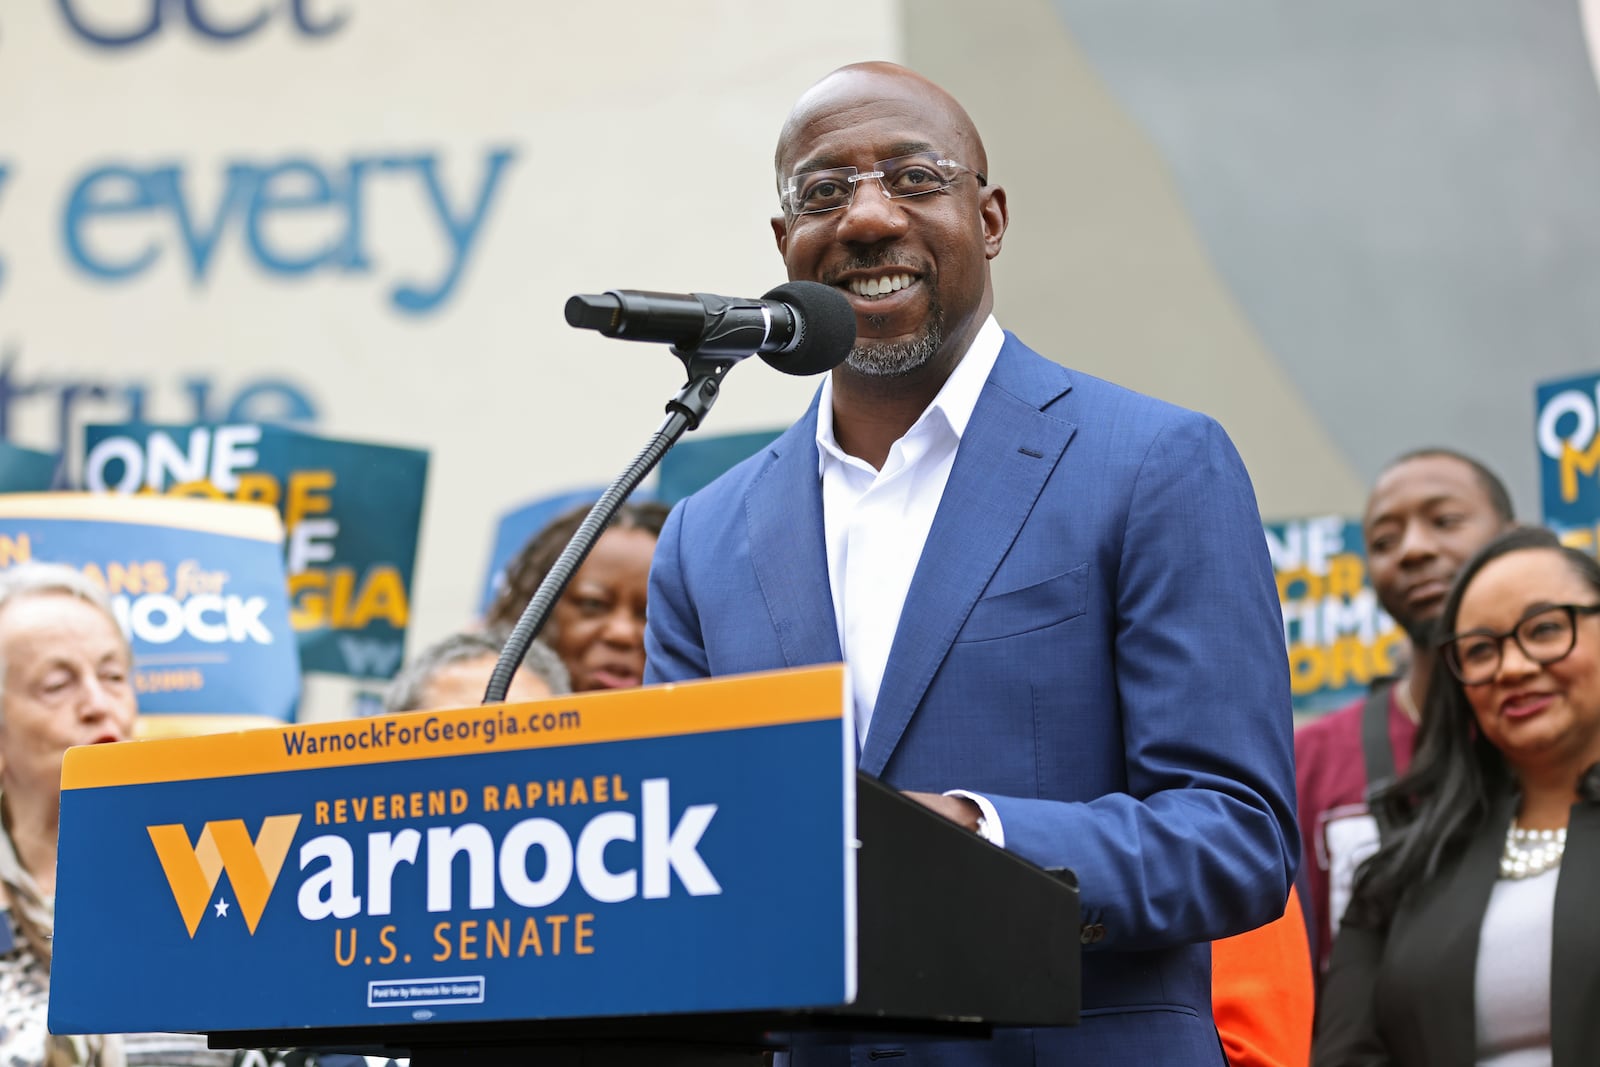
1092 639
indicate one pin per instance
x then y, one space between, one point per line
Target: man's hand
958 810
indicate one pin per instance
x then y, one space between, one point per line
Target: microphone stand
684 413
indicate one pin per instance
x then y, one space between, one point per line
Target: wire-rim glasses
918 174
1545 634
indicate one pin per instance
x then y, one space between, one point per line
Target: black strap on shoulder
1377 751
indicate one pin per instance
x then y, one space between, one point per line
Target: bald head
854 90
898 213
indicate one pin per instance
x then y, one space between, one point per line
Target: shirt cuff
989 825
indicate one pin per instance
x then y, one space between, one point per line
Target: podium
695 871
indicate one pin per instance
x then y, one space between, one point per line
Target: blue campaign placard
24 470
1567 439
519 526
1339 638
698 461
352 513
681 849
197 586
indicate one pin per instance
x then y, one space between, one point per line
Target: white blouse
1512 988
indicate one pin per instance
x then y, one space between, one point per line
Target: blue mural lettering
201 18
275 400
120 219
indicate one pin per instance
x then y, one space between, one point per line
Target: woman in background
597 627
1471 937
65 679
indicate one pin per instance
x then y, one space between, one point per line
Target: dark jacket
1404 996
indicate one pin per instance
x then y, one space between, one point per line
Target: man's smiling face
915 269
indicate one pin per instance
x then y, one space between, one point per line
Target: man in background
1429 512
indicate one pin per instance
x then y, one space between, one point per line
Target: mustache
876 261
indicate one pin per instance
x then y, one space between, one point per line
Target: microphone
797 328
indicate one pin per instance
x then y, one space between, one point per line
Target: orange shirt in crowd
1262 994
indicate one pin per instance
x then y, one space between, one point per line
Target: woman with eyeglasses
1473 935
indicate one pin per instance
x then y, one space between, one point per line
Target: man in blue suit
1053 594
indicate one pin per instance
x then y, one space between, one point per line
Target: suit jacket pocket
1033 607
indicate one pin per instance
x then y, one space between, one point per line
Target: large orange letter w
193 870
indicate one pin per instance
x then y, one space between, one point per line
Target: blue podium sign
682 848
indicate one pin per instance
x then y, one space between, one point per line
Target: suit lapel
788 549
1574 970
1006 456
1453 924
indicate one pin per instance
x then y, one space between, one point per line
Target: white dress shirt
876 524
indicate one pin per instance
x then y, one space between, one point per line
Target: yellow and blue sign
653 850
352 513
198 587
1339 638
1567 436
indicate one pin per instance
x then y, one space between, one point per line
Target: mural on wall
361 220
1347 231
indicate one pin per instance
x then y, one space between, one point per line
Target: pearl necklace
1531 852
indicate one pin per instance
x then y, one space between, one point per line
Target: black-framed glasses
1544 634
914 175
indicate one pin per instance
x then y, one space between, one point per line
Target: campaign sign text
197 586
672 849
1567 435
1339 639
352 514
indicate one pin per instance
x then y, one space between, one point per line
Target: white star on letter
222 909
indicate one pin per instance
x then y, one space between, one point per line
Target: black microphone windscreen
829 324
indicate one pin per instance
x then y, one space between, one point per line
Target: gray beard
877 360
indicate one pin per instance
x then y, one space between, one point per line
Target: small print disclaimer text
410 992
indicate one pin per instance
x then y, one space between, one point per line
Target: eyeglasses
1545 635
913 175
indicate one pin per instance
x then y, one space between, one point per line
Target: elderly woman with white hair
65 679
